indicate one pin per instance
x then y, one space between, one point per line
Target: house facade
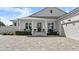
70 23
41 23
48 20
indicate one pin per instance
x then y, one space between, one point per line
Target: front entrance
39 27
39 31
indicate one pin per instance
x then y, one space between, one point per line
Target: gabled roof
60 15
72 13
31 18
45 13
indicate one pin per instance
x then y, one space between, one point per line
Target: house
41 23
70 24
48 20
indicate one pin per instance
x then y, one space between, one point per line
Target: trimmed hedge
23 32
4 34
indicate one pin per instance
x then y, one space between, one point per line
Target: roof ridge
46 8
37 11
73 10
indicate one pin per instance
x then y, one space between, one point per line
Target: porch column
60 30
54 25
18 24
32 27
46 29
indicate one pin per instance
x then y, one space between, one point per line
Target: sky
11 13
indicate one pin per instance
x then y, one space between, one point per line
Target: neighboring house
48 20
70 24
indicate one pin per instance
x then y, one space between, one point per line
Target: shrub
23 32
8 33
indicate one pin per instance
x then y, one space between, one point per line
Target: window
50 27
30 25
38 25
51 11
26 25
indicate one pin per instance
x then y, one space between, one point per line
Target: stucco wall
8 29
72 29
38 21
21 24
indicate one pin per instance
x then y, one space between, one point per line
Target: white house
48 20
42 22
70 24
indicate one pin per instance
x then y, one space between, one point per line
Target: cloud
67 9
11 13
24 12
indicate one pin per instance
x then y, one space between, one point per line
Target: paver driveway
27 43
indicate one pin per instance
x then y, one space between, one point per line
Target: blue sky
11 13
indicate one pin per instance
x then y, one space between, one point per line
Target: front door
39 26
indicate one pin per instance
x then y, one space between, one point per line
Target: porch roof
30 18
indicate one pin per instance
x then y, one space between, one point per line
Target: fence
8 29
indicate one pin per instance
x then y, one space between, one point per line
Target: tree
2 24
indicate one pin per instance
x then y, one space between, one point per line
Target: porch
41 33
44 28
40 26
